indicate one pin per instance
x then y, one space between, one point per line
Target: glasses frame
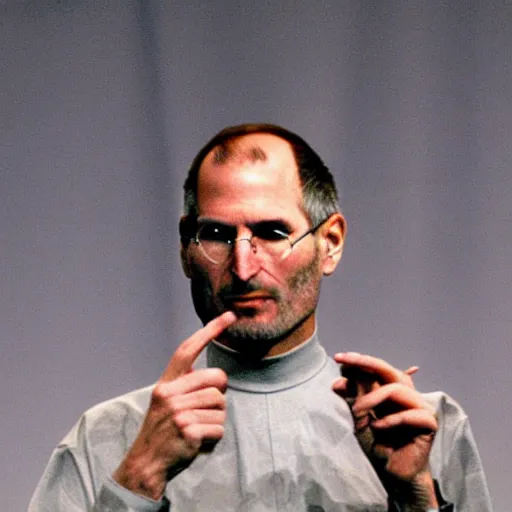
231 243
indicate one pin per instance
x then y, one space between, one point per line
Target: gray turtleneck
288 446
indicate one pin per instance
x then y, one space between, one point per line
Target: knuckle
184 419
395 389
221 375
218 402
222 402
173 405
406 380
192 436
213 377
216 398
217 375
159 393
182 353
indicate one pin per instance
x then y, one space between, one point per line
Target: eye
270 231
215 232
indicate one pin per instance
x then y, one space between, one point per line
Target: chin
256 330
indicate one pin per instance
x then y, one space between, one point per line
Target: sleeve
65 487
471 493
455 461
443 505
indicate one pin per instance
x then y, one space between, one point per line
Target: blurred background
102 108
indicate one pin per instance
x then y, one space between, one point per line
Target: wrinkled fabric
288 446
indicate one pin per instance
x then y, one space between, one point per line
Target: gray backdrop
102 107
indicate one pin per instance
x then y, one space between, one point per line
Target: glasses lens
216 241
273 244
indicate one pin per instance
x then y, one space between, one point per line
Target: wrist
424 486
141 477
417 495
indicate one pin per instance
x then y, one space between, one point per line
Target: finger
414 418
398 394
186 354
350 388
200 433
204 378
359 382
381 369
199 416
339 386
370 365
411 370
208 398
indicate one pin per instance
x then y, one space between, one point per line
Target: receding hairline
318 186
234 134
238 151
238 148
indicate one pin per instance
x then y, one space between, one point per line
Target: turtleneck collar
272 373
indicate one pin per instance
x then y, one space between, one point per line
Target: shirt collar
272 373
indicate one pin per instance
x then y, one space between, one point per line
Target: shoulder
94 446
122 414
136 400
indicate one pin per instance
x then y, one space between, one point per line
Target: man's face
274 299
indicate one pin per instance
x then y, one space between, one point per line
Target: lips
249 298
251 295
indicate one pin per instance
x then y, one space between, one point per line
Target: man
266 422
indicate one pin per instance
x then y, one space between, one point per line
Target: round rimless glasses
217 240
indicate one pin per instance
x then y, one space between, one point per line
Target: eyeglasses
217 240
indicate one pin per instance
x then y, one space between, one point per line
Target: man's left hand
394 425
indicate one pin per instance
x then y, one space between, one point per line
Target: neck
269 374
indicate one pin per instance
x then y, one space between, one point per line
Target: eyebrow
278 223
207 220
251 225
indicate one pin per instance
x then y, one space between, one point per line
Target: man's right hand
185 417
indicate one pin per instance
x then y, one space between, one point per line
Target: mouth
250 299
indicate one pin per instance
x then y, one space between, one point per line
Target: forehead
251 177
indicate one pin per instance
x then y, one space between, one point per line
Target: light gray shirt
288 446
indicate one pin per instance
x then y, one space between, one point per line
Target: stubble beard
250 334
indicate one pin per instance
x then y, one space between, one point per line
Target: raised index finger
183 359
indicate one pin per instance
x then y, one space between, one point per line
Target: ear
332 237
184 244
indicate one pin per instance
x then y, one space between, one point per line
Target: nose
245 262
